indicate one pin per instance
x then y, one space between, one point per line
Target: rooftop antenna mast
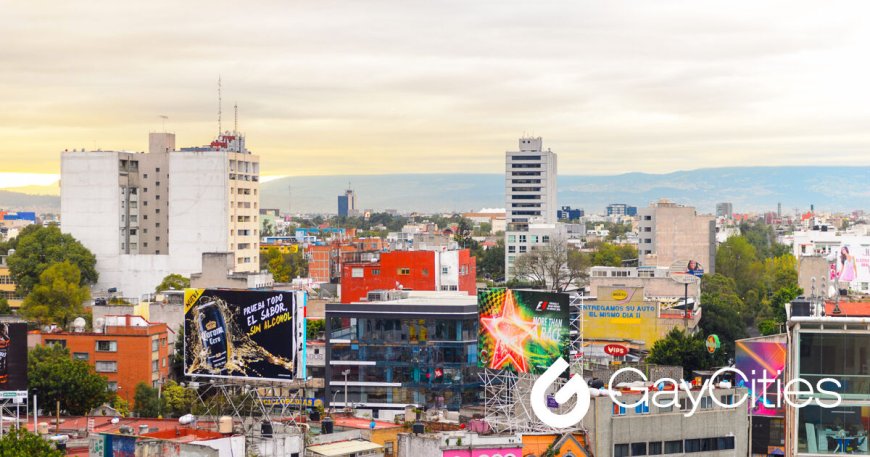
220 129
236 118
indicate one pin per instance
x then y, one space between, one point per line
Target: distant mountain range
748 189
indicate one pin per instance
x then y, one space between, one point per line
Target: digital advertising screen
522 330
240 334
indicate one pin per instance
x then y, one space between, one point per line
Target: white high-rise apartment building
530 198
530 185
146 215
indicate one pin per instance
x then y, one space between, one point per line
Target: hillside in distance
749 189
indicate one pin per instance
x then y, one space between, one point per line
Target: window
655 447
81 356
376 272
512 249
356 272
157 171
545 238
113 386
512 238
666 409
107 346
445 270
706 402
693 446
157 197
726 399
725 442
523 248
522 238
620 450
154 365
642 408
684 404
157 183
104 366
618 410
403 271
673 447
155 345
638 448
425 272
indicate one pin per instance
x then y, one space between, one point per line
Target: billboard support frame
249 389
11 402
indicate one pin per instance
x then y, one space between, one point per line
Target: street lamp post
345 373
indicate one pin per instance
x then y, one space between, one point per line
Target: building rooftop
344 448
361 423
848 309
429 297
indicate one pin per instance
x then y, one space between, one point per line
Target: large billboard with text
763 358
523 331
241 334
13 356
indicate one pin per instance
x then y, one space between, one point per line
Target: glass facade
430 361
841 430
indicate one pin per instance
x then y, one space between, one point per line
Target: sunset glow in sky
411 86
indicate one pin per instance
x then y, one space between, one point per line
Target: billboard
852 266
13 356
762 358
523 331
621 313
241 334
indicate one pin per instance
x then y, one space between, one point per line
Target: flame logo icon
574 386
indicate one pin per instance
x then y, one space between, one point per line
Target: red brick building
413 270
130 350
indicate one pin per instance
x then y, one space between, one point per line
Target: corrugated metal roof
344 448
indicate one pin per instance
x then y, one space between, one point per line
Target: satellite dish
79 325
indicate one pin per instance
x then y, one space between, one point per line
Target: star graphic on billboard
510 332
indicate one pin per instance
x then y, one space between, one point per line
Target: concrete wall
199 214
411 445
90 207
676 233
606 429
226 447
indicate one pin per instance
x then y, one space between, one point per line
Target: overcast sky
434 86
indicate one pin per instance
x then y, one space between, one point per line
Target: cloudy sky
365 87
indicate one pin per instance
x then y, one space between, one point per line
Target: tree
177 400
40 247
284 267
735 259
176 359
58 297
490 265
145 401
612 255
723 319
313 328
5 309
55 376
680 349
173 281
548 266
18 442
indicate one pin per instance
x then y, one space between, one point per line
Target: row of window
720 443
526 157
6 279
535 238
685 405
525 165
525 189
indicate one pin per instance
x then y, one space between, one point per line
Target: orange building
129 350
568 444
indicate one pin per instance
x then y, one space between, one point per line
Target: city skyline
341 88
